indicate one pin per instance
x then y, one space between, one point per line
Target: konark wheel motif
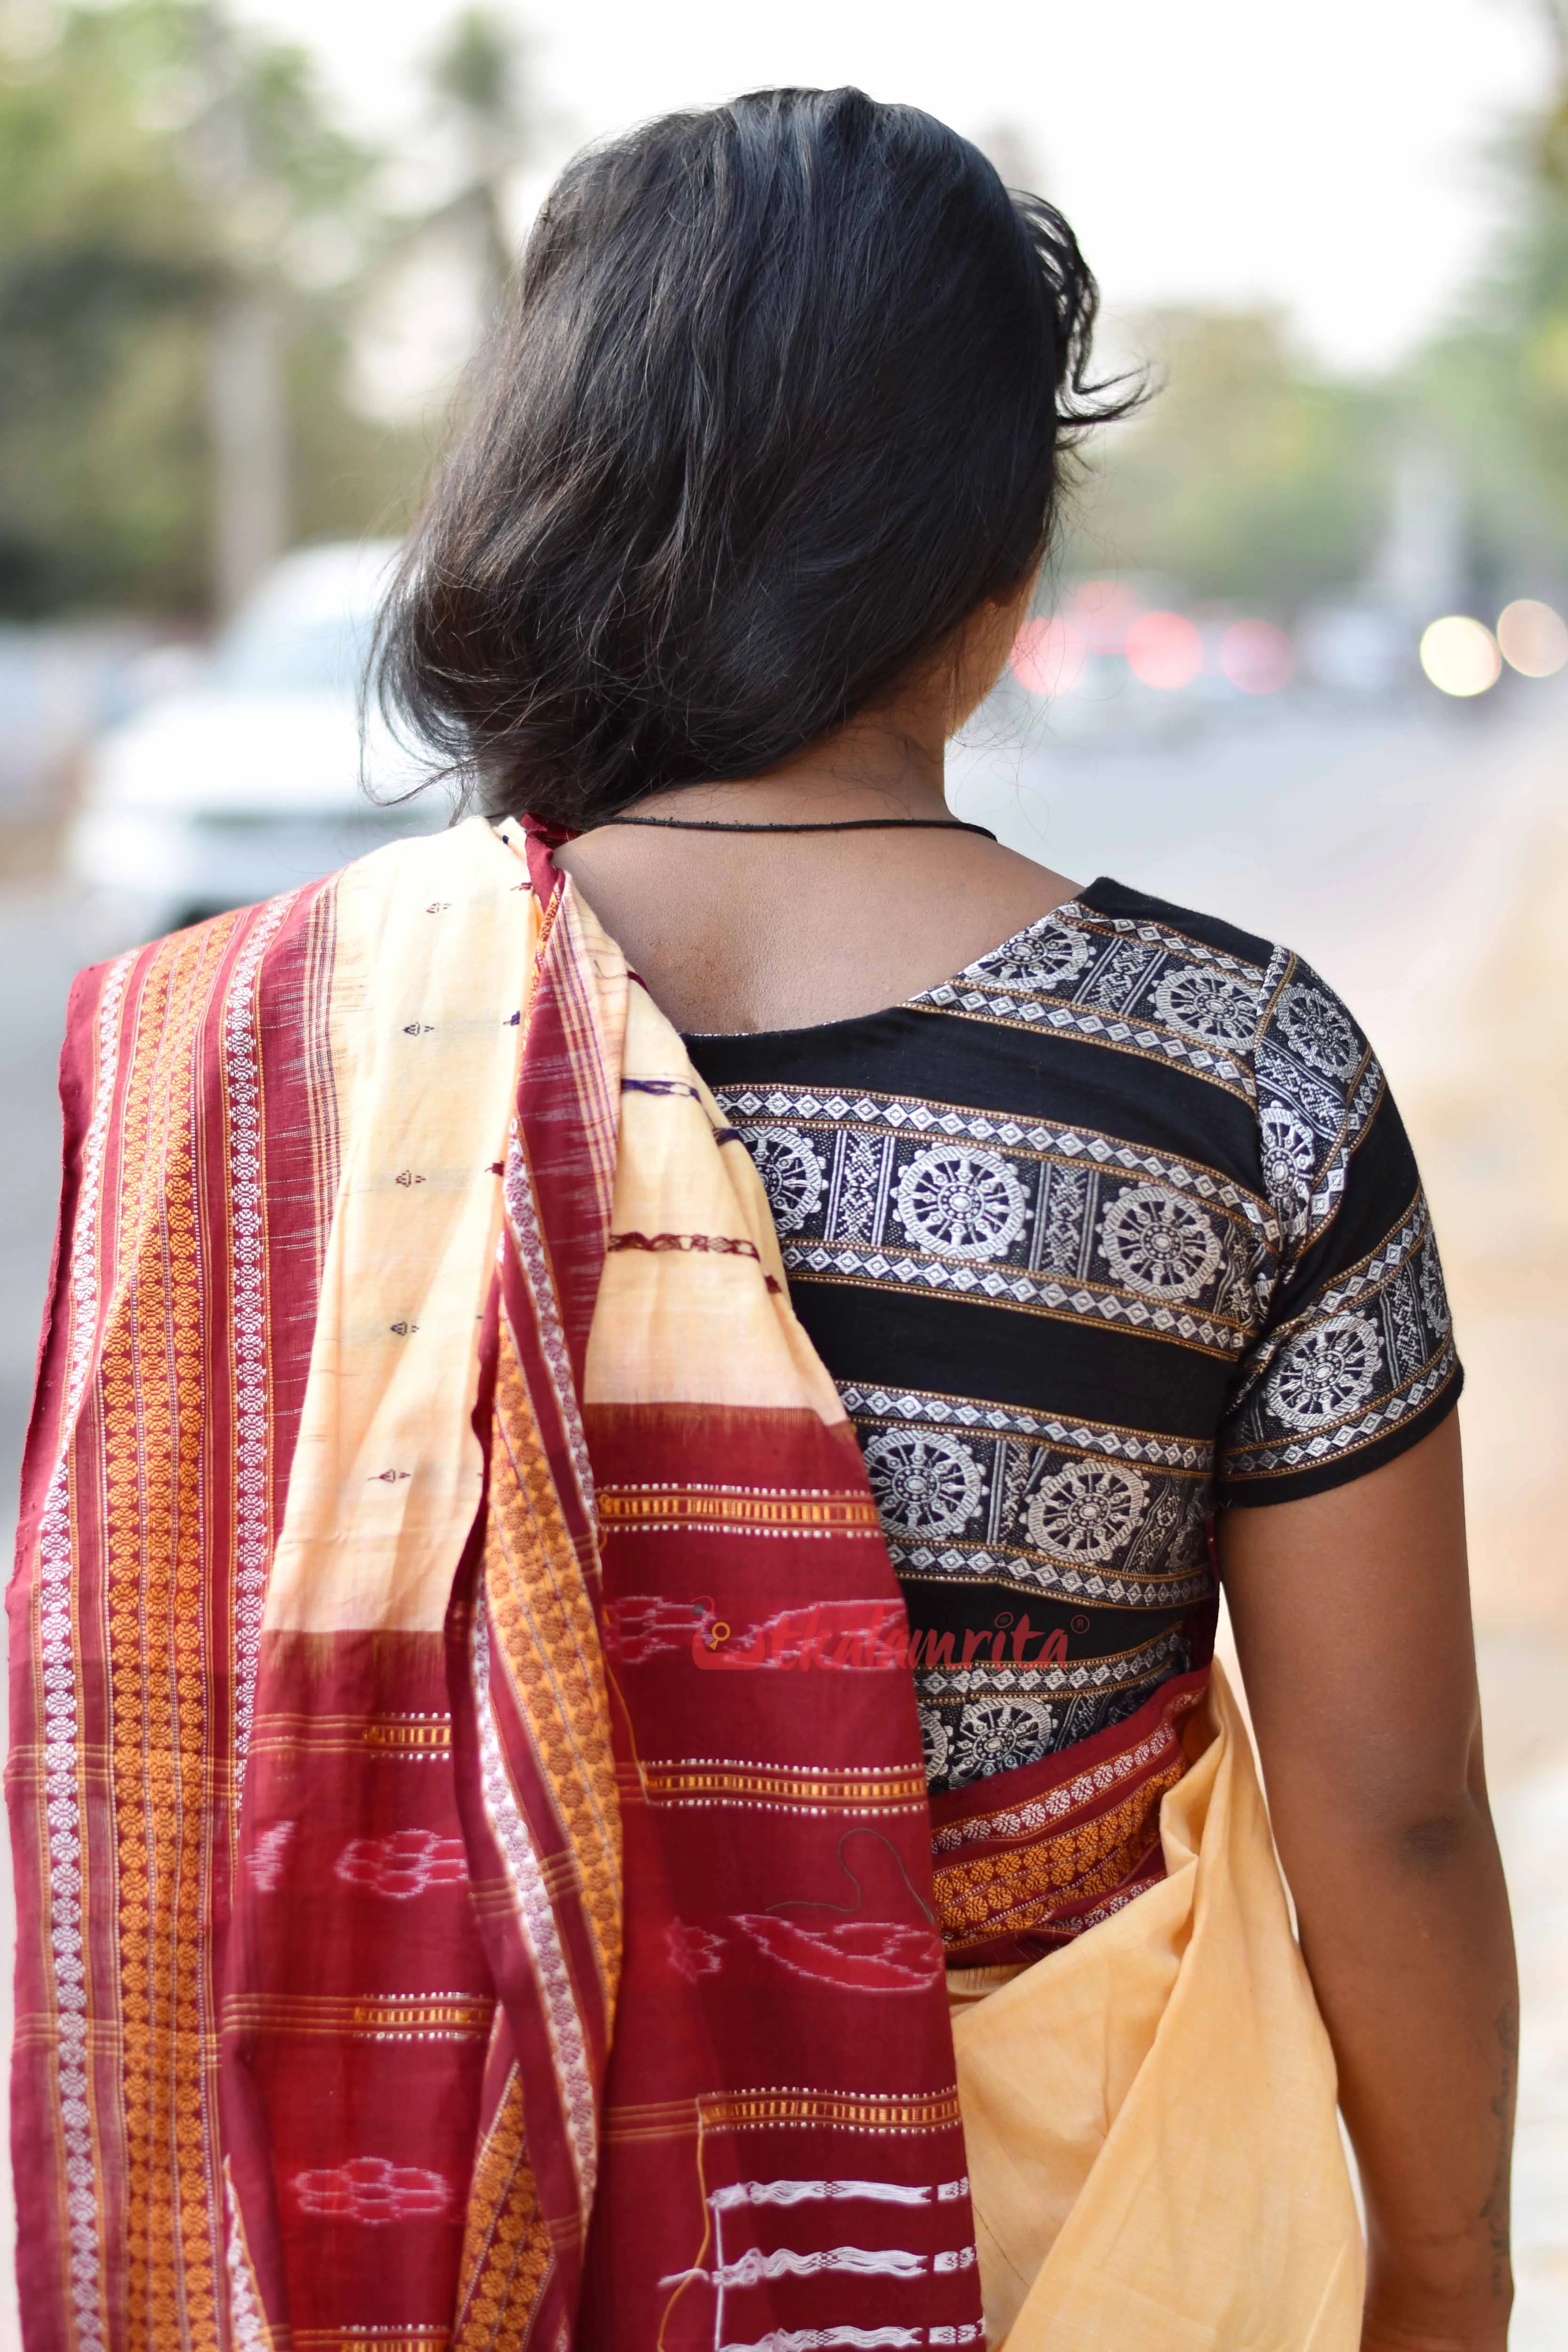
1047 957
1319 1030
996 1735
1434 1289
1087 1511
791 1173
966 1204
934 1742
924 1485
1290 1162
1159 1245
1212 1005
1327 1372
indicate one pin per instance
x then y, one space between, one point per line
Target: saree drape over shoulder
475 1863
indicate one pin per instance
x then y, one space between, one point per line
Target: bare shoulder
779 931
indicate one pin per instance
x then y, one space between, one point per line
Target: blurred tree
450 249
105 269
476 77
1492 386
1249 476
1255 476
181 227
1552 146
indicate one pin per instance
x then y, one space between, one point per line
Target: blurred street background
1302 660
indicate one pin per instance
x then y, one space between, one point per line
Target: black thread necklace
830 824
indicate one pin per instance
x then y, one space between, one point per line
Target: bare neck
780 931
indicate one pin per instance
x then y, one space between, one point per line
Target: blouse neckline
1055 917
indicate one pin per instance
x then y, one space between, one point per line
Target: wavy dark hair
779 400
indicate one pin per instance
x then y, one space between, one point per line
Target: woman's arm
1352 1624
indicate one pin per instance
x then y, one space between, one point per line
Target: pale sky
1326 156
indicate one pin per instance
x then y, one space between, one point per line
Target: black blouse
1119 1225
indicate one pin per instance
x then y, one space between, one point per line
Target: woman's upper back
777 930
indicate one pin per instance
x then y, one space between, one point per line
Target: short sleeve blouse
1353 1355
1119 1226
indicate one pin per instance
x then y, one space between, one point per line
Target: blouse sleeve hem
1244 1493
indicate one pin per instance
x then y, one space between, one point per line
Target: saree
475 1869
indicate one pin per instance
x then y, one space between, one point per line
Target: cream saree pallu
429 1938
474 1861
1150 2112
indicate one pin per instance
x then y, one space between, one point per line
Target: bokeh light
1460 655
1164 649
1533 638
1257 656
1101 611
1047 656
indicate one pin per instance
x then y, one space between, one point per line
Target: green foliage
350 474
104 269
476 76
1494 387
1248 475
153 160
150 160
475 65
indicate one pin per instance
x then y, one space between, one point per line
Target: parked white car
250 775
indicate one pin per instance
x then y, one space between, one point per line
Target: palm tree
477 76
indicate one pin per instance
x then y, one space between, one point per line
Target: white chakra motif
924 1485
997 1735
1326 1372
1046 958
791 1173
966 1203
1086 1511
1434 1290
1319 1030
934 1742
1212 1005
1289 1158
1158 1244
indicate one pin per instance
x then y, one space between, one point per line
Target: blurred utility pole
1553 134
246 415
1421 567
249 443
1555 11
475 75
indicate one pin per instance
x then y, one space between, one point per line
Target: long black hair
778 402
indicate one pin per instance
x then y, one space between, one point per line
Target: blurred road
1405 854
42 942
